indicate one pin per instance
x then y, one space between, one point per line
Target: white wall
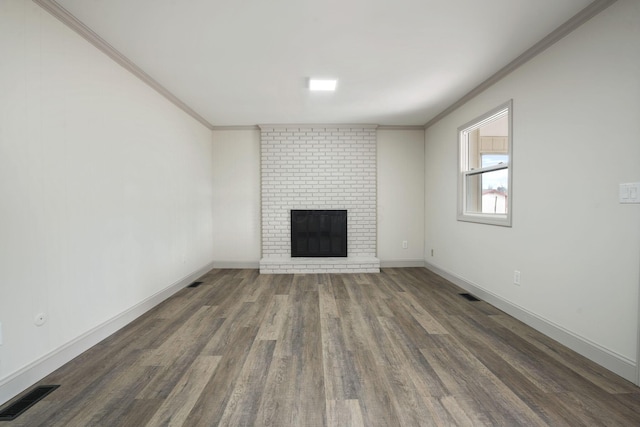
400 197
576 136
105 193
236 198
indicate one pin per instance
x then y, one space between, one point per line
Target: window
486 168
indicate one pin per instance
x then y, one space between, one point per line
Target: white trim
552 38
606 358
89 35
498 167
402 263
250 265
248 127
24 378
316 126
75 24
401 127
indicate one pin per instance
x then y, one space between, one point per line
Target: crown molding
76 25
400 127
236 127
379 127
85 32
317 126
552 38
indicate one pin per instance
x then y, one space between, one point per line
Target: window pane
487 192
494 159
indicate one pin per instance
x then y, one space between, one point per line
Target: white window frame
464 171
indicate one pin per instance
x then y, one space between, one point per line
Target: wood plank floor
399 348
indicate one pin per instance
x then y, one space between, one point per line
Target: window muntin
486 168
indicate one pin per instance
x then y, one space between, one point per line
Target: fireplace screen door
318 233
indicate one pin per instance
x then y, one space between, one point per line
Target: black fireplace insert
318 233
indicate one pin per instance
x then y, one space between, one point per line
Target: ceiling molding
245 127
556 35
317 125
76 25
400 127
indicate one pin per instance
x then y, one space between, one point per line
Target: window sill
489 219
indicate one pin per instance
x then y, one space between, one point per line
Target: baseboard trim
404 263
24 378
256 264
252 265
606 358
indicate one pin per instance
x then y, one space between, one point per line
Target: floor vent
469 297
27 401
194 285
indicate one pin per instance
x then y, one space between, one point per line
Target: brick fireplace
318 167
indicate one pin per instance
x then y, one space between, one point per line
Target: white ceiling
246 62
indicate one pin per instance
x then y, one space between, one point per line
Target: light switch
630 192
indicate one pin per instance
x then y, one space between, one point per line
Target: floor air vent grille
25 402
194 285
469 297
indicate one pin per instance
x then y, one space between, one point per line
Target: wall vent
25 402
469 297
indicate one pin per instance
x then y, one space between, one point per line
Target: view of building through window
495 184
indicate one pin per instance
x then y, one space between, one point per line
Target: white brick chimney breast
318 167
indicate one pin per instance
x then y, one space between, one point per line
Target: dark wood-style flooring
399 348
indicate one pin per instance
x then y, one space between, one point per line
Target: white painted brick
318 168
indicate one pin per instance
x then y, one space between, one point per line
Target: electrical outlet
516 277
405 244
40 319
